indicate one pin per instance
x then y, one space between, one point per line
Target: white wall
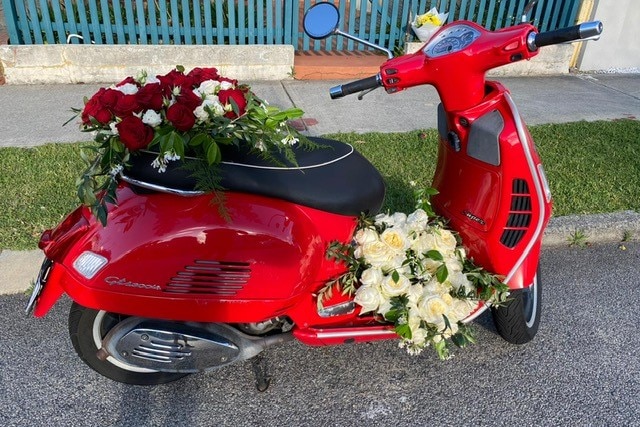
618 49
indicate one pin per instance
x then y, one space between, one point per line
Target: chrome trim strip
155 187
538 186
347 334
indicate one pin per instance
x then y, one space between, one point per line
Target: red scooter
169 287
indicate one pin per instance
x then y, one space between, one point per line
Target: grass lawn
592 167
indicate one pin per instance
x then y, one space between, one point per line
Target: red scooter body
169 257
490 180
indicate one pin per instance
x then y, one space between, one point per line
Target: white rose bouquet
411 271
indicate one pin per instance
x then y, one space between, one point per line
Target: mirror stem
364 42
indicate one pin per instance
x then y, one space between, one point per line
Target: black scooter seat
333 178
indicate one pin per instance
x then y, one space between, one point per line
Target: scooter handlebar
356 86
584 31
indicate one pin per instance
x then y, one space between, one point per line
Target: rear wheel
517 321
87 328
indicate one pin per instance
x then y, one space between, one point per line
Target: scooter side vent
519 216
211 278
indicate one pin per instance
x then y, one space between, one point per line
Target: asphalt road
581 369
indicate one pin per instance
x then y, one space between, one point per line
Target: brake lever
365 92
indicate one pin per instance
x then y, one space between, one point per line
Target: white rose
385 306
209 104
414 293
368 298
128 89
395 239
151 80
365 235
371 277
432 308
418 334
384 219
461 309
417 220
207 87
378 254
423 243
399 219
446 241
459 281
226 85
391 288
151 118
453 264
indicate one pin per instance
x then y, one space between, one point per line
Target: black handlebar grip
577 32
357 86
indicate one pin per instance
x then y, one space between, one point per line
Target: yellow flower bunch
428 18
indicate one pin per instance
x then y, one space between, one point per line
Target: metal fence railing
185 22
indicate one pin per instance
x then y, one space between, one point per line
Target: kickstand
260 370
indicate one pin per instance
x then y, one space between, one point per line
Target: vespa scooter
169 287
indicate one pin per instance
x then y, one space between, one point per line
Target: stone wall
40 64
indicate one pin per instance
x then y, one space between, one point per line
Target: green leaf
392 315
213 153
101 213
459 340
442 349
404 331
435 255
395 276
199 139
442 273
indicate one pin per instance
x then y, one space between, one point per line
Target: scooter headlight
89 263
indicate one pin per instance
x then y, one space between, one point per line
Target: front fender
51 289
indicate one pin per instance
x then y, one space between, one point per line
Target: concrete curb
20 268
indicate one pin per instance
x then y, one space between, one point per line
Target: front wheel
517 321
87 329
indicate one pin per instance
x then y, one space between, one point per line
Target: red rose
95 108
181 117
126 106
172 79
150 97
188 98
130 80
133 133
109 97
234 82
201 74
225 96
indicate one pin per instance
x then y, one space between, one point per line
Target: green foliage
578 239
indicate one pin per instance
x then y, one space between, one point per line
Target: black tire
87 328
517 321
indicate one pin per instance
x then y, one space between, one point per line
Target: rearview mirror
321 20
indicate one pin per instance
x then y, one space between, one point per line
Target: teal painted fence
185 22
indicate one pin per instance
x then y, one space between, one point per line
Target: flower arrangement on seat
178 114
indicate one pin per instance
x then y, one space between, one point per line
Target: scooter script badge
116 281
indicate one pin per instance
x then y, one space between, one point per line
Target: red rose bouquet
176 115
